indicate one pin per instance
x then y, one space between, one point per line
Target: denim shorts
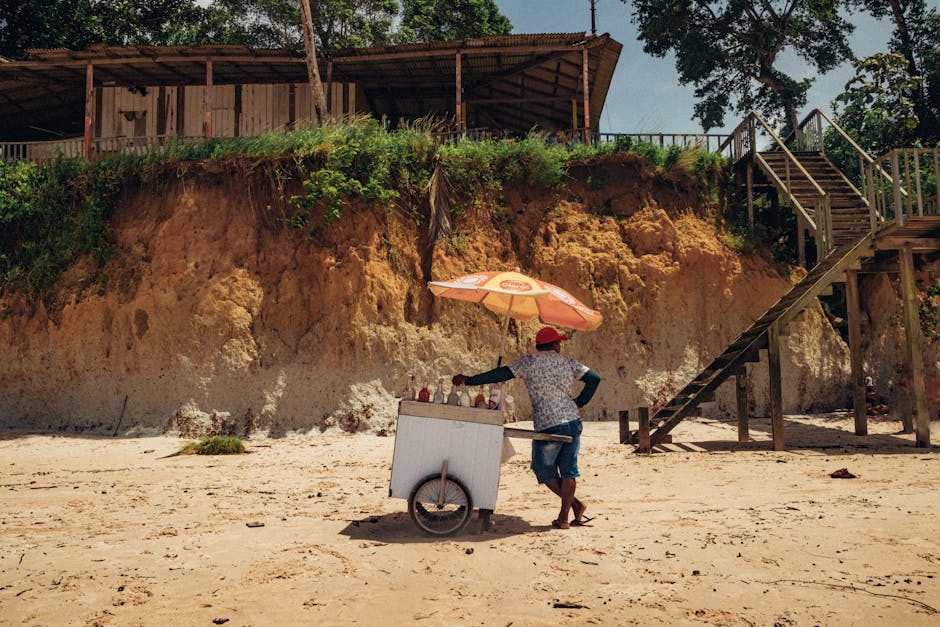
554 461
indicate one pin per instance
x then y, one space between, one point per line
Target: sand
108 531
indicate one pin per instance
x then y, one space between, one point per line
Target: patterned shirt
548 376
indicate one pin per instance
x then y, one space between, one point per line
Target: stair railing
743 143
873 178
915 175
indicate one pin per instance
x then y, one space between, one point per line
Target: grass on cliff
53 214
217 445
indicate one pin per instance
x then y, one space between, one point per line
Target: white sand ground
103 531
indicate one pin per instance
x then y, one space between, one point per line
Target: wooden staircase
746 347
849 210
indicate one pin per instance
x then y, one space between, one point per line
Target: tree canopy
730 50
338 24
442 20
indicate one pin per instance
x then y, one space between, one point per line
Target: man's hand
459 379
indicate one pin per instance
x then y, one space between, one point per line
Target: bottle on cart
408 394
496 396
464 397
453 398
479 400
439 392
424 396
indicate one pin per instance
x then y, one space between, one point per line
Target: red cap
547 335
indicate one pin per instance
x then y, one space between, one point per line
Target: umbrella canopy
520 297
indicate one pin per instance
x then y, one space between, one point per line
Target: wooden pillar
776 388
624 426
855 352
587 98
89 110
329 86
801 240
180 110
161 111
459 95
896 184
207 102
238 109
643 433
750 194
915 341
740 393
574 114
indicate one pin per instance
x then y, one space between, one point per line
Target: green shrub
217 445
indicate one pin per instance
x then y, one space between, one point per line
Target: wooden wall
237 110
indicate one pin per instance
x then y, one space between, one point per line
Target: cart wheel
440 520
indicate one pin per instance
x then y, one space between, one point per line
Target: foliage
876 110
729 50
49 216
216 445
276 23
915 39
930 312
77 24
444 20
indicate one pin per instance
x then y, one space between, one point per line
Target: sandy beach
97 530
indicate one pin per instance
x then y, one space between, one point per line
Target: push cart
446 462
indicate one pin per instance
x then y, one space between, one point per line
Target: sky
645 95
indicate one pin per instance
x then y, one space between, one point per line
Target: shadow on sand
823 433
398 528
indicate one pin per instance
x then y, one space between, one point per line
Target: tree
76 24
730 50
876 110
277 24
313 69
445 20
915 38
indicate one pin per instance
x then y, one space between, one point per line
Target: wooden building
108 98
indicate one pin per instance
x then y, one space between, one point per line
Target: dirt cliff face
214 314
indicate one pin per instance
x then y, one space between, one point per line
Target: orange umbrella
520 297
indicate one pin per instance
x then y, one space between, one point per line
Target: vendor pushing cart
440 502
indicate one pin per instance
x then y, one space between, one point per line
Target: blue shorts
554 461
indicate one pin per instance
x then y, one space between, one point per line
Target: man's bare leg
565 489
577 506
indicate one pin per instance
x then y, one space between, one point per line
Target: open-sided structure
509 83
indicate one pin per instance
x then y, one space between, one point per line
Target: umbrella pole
502 340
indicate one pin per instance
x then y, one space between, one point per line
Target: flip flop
559 524
583 522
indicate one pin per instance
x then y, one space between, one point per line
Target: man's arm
496 375
591 380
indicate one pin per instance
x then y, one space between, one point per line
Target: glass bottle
453 398
424 396
439 392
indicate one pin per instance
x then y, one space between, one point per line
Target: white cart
446 462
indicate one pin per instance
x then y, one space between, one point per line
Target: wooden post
740 393
776 389
587 98
180 110
855 352
801 240
207 102
329 86
459 96
89 110
915 341
896 184
643 434
574 114
624 426
750 194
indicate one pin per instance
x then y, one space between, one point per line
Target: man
548 376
